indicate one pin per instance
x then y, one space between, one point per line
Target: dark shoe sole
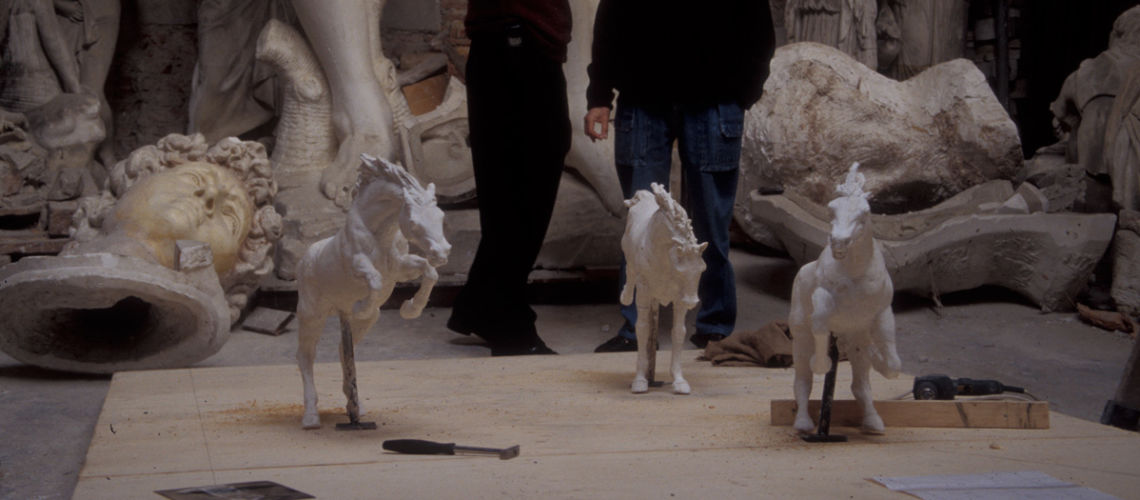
617 344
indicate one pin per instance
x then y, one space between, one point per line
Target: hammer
423 447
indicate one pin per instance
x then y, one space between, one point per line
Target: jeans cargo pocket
724 138
625 137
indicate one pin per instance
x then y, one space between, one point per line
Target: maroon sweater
547 21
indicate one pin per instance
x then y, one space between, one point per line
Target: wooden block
32 245
267 321
977 414
427 94
59 215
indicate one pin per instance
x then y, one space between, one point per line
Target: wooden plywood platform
582 435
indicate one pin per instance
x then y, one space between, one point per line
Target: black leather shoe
524 350
618 344
702 339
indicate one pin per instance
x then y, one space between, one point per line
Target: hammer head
509 453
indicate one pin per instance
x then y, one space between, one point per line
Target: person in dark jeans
520 134
684 71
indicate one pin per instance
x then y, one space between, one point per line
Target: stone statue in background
161 265
69 128
231 93
1121 126
663 266
848 25
91 28
36 64
394 233
914 35
846 293
1088 96
184 189
346 40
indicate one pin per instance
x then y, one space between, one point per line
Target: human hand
598 123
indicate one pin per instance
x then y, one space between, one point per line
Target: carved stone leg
345 37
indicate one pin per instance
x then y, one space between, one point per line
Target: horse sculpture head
685 253
850 213
420 219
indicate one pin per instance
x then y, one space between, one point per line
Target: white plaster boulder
918 142
977 238
1125 290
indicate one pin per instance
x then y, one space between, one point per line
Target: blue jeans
709 145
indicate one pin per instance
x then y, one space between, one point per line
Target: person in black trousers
520 134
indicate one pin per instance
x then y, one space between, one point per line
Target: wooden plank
978 414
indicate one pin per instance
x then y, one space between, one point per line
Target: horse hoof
804 425
311 422
681 387
639 386
408 310
873 424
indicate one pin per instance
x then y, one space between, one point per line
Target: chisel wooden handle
419 447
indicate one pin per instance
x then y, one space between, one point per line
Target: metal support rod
348 366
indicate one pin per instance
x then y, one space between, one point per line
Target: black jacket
665 52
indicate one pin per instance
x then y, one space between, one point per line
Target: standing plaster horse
846 292
663 265
352 273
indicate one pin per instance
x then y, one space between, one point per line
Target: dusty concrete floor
46 418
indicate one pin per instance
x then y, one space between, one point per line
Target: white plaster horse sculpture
663 265
846 292
352 273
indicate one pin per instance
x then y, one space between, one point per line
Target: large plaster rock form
185 189
304 144
582 233
1046 257
918 142
594 160
102 313
1126 264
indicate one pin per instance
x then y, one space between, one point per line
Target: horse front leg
308 333
883 355
861 388
413 307
646 332
680 385
364 269
823 306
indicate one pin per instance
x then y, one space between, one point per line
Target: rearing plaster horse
846 292
663 264
352 273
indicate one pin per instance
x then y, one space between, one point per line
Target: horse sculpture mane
373 169
678 220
